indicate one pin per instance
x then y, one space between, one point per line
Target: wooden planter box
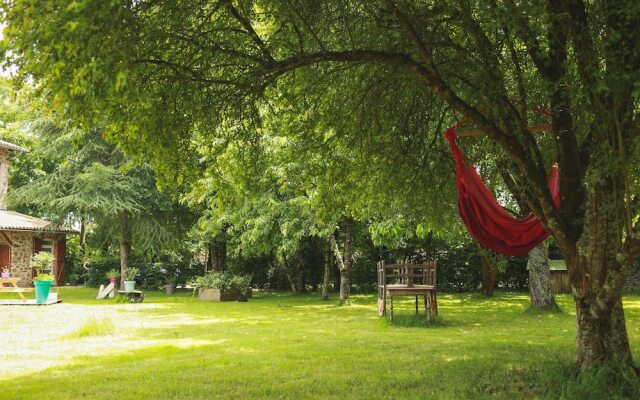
219 295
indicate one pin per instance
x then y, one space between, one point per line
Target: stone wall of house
21 252
4 176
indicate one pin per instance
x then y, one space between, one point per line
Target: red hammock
485 218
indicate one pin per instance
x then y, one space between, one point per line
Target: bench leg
391 308
434 302
427 306
416 305
384 303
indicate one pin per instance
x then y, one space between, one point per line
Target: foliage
99 267
43 277
151 275
112 273
155 275
41 261
223 280
131 273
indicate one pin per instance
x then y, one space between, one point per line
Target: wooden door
59 252
5 256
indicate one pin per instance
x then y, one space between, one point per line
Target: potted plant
221 286
170 286
5 272
42 282
113 276
170 273
130 279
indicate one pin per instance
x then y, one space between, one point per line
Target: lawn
287 346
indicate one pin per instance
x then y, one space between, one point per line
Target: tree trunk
325 277
125 246
287 271
345 274
83 244
602 334
217 256
345 261
489 274
208 265
597 276
336 275
338 257
302 272
540 280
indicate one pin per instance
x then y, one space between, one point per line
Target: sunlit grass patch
94 327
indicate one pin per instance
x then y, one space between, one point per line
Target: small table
14 288
135 296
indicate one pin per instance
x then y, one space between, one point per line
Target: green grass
93 327
298 347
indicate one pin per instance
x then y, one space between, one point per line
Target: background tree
93 183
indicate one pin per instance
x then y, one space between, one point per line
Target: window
47 245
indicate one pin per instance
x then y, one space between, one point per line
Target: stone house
21 235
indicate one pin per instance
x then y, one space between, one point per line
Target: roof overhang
17 222
11 146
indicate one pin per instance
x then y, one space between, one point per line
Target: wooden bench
14 288
135 296
408 279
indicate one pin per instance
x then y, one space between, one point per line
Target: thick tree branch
191 74
246 24
307 25
583 46
571 173
534 48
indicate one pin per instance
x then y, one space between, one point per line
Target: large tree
160 70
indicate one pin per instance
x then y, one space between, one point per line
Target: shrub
98 269
223 280
151 276
155 275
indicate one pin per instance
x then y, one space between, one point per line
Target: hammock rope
486 219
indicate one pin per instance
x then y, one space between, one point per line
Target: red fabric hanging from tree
485 218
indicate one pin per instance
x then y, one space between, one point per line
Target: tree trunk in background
301 272
489 274
336 275
345 274
216 256
540 279
538 262
287 272
208 265
338 257
83 244
345 261
325 276
125 246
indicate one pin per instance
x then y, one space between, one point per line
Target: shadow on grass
413 321
209 371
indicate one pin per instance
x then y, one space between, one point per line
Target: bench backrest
407 273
